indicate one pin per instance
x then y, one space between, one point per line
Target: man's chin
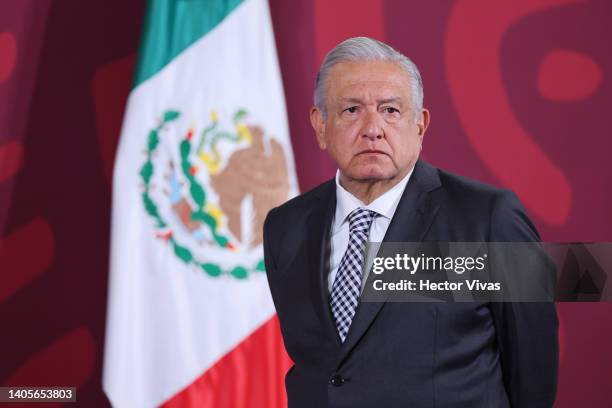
371 174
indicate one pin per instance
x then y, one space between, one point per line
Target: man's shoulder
301 205
500 208
463 190
466 187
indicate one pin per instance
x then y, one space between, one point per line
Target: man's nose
373 126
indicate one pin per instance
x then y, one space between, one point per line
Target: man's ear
423 123
318 124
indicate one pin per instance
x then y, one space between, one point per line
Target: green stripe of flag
170 26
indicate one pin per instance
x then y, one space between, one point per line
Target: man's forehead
364 70
386 78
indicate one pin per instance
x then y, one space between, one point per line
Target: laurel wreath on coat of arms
202 219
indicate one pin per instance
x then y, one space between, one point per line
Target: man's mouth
372 151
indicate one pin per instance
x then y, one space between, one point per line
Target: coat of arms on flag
209 191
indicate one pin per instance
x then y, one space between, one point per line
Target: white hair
367 49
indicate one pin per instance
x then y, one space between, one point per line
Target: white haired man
369 116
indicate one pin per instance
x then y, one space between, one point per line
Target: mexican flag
204 154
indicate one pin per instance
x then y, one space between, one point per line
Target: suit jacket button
336 380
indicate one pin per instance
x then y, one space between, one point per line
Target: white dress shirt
384 206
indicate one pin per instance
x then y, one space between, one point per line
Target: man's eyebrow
351 100
395 99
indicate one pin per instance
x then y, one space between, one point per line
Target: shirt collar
385 205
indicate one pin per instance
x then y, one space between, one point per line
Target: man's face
370 130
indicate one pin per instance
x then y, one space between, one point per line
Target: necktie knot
360 220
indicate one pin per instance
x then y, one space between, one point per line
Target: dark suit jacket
470 355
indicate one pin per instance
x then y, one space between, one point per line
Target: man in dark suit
368 116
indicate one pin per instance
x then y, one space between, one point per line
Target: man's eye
352 109
391 110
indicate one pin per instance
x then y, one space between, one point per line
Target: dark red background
519 91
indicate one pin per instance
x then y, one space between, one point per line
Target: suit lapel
415 212
320 221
